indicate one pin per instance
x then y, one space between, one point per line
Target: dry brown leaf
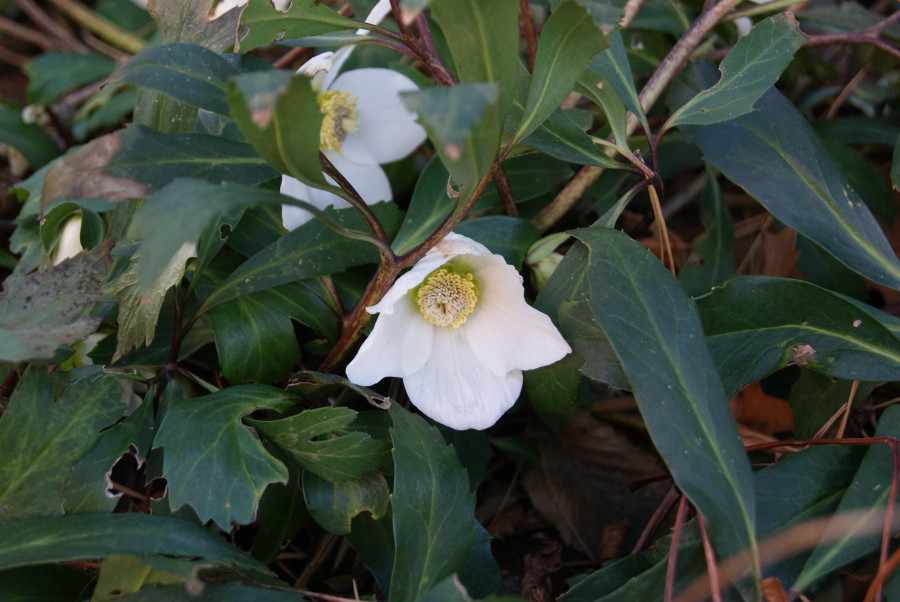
773 590
753 408
581 483
81 176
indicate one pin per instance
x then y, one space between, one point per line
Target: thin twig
15 30
528 32
847 408
507 201
672 563
665 249
42 20
710 555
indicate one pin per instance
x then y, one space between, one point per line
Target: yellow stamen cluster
340 112
446 298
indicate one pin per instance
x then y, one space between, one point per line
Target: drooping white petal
69 241
400 344
504 332
455 389
387 129
369 181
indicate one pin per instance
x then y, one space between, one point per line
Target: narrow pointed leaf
775 156
656 333
91 536
613 65
261 23
752 331
748 70
569 39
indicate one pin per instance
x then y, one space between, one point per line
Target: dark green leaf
43 583
87 487
776 157
553 389
334 505
308 251
212 461
864 178
656 333
613 65
749 69
481 574
569 39
456 119
262 23
188 21
90 536
188 73
278 113
868 494
507 236
234 591
44 432
282 514
432 505
155 160
559 136
483 38
321 441
427 208
755 325
712 256
54 73
41 311
27 138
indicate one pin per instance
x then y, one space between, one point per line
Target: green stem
651 92
100 26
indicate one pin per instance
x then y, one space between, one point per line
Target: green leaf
282 514
334 504
605 13
278 113
569 39
254 335
868 495
155 160
776 157
865 179
54 73
594 86
188 21
44 432
577 322
45 583
483 38
712 256
322 441
27 138
613 65
40 312
507 236
656 333
553 389
123 575
89 536
86 488
188 73
308 251
895 165
212 461
432 505
262 23
748 70
457 119
428 207
559 136
756 325
139 305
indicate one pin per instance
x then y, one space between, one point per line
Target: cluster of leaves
188 441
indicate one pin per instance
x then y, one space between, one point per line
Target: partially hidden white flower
457 330
365 125
226 5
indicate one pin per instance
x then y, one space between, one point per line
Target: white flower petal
506 333
455 389
399 345
369 181
69 241
387 129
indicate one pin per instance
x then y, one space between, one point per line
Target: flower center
446 298
340 112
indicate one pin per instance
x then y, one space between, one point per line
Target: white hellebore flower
457 330
365 124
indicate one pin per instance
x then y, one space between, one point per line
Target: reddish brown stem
507 199
711 567
680 518
528 31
